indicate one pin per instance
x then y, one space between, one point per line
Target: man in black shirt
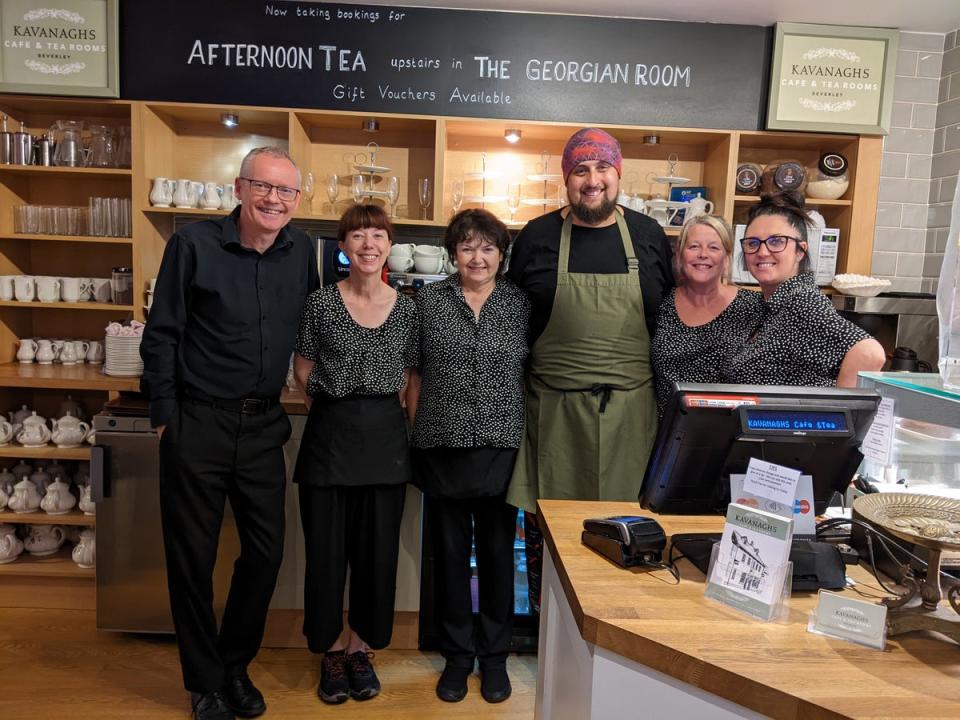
216 351
595 274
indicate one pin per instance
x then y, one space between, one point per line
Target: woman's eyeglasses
258 188
774 243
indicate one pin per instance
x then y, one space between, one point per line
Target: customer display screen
758 419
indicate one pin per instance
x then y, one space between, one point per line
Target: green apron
591 412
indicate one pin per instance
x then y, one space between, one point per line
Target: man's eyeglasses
258 188
774 243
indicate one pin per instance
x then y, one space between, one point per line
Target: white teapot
10 545
6 432
41 479
58 500
7 481
44 539
34 432
698 206
87 505
85 551
25 497
69 432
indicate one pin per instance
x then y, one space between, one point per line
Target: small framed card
849 618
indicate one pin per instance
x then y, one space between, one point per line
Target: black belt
244 406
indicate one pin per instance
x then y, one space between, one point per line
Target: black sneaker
210 706
241 695
364 683
452 685
495 684
334 687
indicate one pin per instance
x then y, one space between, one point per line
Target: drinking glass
393 194
333 190
359 188
513 199
425 193
308 190
456 196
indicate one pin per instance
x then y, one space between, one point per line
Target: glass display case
925 454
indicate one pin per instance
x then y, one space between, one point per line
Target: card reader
627 540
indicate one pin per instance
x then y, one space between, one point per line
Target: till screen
799 420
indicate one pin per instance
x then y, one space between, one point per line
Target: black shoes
494 684
452 685
211 706
334 686
364 683
241 696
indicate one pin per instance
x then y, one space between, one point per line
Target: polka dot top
352 359
699 353
472 389
800 340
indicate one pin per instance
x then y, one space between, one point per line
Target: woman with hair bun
705 318
800 338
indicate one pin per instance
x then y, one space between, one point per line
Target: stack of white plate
122 356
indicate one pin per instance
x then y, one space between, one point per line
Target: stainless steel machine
907 320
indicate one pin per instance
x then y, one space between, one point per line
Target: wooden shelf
52 170
74 517
96 239
110 307
59 565
184 211
809 201
70 377
50 452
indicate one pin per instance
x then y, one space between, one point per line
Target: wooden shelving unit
58 565
108 307
50 452
92 239
74 517
812 202
73 171
66 377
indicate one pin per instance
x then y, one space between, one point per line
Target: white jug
44 539
210 200
162 193
45 353
58 500
228 200
27 351
95 353
85 552
48 289
68 354
87 505
6 287
10 545
25 498
184 194
698 206
24 288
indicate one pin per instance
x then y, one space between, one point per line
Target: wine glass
333 191
425 193
393 194
513 199
307 191
456 196
359 189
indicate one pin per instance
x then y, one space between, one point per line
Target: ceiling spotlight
511 135
370 125
651 139
229 119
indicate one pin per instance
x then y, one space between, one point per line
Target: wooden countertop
777 668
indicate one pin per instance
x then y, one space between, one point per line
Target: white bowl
862 290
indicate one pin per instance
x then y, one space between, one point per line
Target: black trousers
355 527
206 456
490 524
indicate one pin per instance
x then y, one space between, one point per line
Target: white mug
48 289
428 259
86 290
100 289
70 289
95 353
6 287
399 263
24 288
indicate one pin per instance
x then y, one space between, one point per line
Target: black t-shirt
533 261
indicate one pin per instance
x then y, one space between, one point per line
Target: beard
591 215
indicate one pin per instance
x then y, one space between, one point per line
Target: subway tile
907 191
914 216
898 284
931 243
899 240
944 89
948 189
932 262
907 63
945 164
931 42
948 113
943 234
934 194
910 265
951 137
949 40
954 92
893 165
929 286
938 137
928 64
939 215
908 89
901 115
888 214
884 263
951 61
918 166
908 140
924 116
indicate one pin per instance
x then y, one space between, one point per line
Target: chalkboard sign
445 62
